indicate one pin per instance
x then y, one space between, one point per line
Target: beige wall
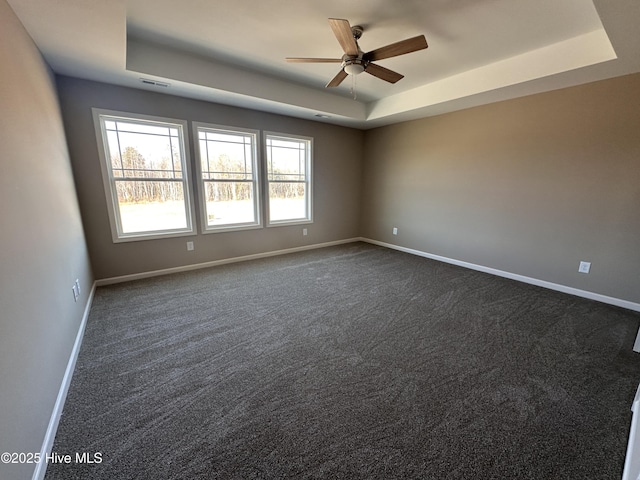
337 173
529 186
42 248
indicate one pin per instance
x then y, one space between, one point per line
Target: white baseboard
197 266
632 461
521 278
50 435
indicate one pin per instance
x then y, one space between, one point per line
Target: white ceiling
232 51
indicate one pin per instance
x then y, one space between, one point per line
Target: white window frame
202 191
117 234
308 178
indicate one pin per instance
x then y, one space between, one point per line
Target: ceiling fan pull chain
353 87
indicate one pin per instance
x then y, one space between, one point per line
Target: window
228 174
288 178
144 166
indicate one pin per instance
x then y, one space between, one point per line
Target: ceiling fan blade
383 73
337 80
342 31
399 48
313 60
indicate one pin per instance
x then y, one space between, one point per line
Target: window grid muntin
126 121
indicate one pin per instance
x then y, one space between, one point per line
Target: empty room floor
353 361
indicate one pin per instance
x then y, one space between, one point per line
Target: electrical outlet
304 231
395 230
584 267
190 246
76 293
78 285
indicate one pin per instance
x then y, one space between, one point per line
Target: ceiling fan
355 61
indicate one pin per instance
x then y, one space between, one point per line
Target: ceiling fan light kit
355 61
354 67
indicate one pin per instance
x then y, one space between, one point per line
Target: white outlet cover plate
584 267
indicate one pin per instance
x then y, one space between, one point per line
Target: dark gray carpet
349 362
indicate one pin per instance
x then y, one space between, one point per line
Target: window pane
141 128
145 156
287 201
285 143
225 161
116 163
146 206
229 203
286 164
226 137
